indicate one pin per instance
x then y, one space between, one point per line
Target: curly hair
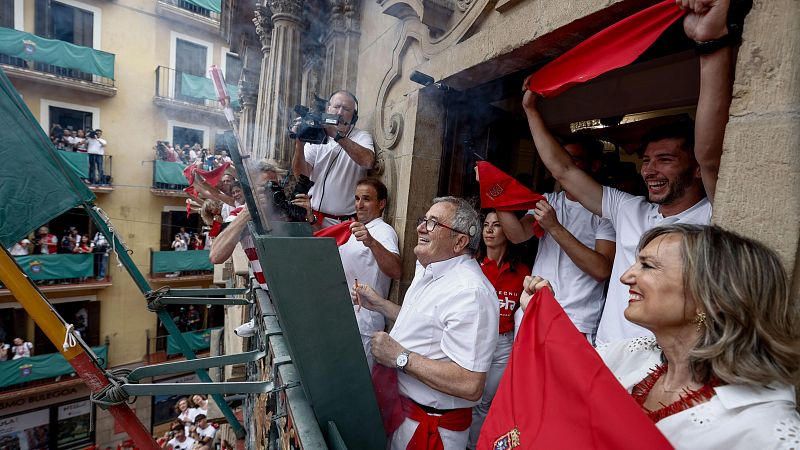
752 322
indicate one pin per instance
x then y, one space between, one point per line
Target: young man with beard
680 167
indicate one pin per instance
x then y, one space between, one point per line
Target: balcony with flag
29 57
63 272
202 14
168 179
189 265
189 92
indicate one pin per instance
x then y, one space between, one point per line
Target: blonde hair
207 211
752 326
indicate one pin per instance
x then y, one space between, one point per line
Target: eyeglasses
430 225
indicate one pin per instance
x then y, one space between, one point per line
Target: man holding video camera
335 166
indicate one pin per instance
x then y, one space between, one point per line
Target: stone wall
758 193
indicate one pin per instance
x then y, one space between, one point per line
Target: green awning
202 87
170 173
31 173
77 161
58 53
197 340
172 261
39 367
57 266
211 5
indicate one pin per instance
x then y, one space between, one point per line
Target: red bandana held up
340 232
614 47
556 392
503 193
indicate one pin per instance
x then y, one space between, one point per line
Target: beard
676 188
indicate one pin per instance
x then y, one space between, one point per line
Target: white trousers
499 361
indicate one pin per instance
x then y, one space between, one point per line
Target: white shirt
360 264
333 168
449 313
185 445
738 417
208 431
579 294
632 216
96 146
19 250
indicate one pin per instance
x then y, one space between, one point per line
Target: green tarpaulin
211 5
22 370
35 184
170 173
77 161
58 53
201 87
172 261
197 340
57 266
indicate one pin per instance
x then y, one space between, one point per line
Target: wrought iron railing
192 8
60 72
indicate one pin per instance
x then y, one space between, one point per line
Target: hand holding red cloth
558 393
616 46
340 232
503 193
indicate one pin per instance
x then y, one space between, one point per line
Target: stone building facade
478 52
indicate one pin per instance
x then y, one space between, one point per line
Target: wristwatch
339 136
402 360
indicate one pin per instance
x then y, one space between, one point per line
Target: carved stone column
248 98
341 42
280 83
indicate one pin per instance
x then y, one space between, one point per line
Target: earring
700 320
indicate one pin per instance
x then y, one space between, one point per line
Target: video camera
283 204
311 126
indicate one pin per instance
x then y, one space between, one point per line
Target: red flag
340 232
212 177
556 392
503 193
614 47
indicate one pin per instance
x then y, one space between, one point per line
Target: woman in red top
500 262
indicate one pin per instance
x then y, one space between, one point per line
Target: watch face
402 360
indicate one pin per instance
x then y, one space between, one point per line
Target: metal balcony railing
191 89
193 8
79 162
172 263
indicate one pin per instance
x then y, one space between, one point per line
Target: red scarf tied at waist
427 436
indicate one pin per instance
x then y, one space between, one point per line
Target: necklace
689 398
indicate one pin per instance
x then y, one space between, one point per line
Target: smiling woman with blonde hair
720 369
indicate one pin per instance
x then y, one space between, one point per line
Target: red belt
427 436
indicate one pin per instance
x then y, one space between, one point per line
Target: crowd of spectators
191 429
20 349
72 241
208 159
83 141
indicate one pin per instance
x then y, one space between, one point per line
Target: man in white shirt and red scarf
444 334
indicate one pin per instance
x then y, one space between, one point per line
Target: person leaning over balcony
96 147
336 166
236 231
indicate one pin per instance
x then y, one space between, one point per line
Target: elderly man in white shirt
444 333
